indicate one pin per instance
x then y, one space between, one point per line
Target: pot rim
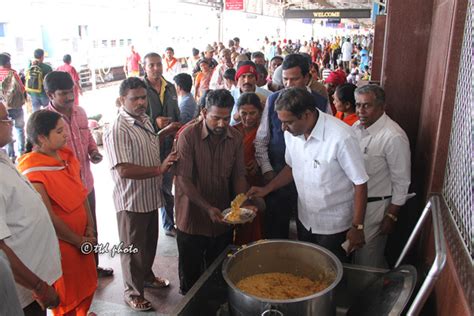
339 270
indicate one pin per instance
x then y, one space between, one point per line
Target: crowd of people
287 126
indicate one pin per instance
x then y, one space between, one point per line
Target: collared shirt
80 141
235 92
133 141
325 167
386 151
266 128
188 108
26 227
212 169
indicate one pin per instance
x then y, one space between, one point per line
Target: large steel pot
299 258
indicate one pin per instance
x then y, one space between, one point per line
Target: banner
327 14
234 5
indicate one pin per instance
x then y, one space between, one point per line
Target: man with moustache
322 157
59 88
386 151
133 150
270 147
210 172
246 77
164 113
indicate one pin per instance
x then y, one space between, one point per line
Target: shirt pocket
320 173
373 162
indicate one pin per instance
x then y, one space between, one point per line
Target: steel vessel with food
282 277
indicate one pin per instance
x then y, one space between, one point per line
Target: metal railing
433 207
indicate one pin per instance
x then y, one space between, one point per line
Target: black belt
378 198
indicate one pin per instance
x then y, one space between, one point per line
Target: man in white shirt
347 53
386 151
27 235
324 160
270 147
171 64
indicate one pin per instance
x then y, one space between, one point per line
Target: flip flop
138 304
158 283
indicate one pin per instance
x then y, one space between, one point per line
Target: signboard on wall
235 5
327 14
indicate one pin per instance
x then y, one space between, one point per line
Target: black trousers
331 242
34 309
196 254
279 207
91 200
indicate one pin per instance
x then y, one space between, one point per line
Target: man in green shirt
39 99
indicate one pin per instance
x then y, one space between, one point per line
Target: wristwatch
358 226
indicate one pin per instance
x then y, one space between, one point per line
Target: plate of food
236 214
243 215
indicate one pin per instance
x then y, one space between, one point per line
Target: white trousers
372 254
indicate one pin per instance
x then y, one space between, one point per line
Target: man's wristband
392 217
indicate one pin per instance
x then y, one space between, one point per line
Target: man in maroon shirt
210 172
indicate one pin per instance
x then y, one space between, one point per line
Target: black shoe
104 272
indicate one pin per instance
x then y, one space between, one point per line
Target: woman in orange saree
54 172
250 110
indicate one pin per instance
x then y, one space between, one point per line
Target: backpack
12 92
34 79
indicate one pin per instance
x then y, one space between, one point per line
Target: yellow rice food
234 215
280 286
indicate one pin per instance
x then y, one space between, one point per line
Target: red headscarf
336 78
244 70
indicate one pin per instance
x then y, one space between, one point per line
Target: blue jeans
167 218
37 101
19 122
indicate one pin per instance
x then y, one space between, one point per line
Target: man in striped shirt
133 150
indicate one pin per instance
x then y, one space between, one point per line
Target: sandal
104 272
158 283
138 304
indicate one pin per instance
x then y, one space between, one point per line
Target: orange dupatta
67 195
